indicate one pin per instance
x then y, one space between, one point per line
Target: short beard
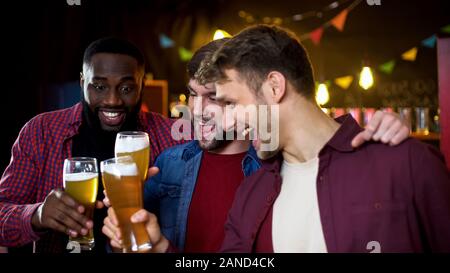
93 121
213 144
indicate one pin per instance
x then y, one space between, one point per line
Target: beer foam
121 169
76 177
129 144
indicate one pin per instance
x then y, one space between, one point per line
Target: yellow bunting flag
344 82
339 21
410 55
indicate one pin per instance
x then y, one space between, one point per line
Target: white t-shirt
296 225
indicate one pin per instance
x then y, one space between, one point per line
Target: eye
126 89
230 104
212 98
192 94
99 86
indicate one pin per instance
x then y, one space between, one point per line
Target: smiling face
112 85
205 109
236 93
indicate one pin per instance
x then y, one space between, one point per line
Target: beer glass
80 176
123 186
136 145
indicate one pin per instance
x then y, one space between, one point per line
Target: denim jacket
169 193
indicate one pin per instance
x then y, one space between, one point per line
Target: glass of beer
123 185
80 177
136 145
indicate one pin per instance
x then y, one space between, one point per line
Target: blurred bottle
422 120
436 122
406 115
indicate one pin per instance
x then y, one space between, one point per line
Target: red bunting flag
316 35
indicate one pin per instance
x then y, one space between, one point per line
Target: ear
81 80
142 83
276 86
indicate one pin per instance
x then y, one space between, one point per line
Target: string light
366 78
322 95
219 34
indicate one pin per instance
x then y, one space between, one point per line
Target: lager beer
123 186
81 183
136 145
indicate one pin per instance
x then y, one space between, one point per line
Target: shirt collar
190 150
193 148
342 139
251 156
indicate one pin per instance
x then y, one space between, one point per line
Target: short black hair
113 45
258 50
204 52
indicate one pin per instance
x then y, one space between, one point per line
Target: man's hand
111 228
384 127
62 213
112 231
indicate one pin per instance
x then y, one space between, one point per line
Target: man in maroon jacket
314 192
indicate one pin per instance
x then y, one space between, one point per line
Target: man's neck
306 134
234 147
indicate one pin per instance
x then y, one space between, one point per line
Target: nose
198 106
113 99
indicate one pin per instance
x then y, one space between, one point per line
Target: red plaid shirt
36 168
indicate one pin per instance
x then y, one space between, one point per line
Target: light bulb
366 78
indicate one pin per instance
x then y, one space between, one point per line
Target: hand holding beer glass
80 177
123 184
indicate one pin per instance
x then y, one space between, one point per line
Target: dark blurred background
43 43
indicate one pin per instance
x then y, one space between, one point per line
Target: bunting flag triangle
410 55
316 35
387 67
185 55
344 82
429 42
165 41
339 21
446 29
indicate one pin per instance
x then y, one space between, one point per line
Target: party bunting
316 35
429 42
185 55
339 21
446 29
165 41
410 55
387 67
344 82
